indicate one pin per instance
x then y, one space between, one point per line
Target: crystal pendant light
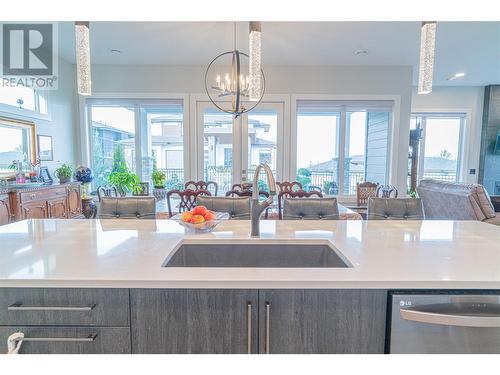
83 57
254 89
427 50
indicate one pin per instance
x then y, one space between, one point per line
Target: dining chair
294 194
106 191
202 185
365 190
187 199
310 209
238 208
245 193
387 191
289 185
127 208
395 209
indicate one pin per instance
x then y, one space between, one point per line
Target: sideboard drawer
61 306
69 340
42 194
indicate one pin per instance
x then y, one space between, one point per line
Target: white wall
458 99
287 80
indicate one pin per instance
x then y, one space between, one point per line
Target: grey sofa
454 201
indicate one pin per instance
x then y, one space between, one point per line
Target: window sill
9 110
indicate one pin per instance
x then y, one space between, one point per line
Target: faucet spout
259 207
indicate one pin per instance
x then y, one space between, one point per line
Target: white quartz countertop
129 254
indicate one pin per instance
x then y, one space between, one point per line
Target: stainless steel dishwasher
445 323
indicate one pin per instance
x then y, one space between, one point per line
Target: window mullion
341 146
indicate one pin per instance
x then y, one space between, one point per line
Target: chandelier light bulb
427 51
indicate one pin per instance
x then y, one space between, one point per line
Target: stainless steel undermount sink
256 255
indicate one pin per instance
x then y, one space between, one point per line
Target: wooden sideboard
53 201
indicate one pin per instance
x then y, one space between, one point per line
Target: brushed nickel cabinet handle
249 328
268 326
88 338
20 307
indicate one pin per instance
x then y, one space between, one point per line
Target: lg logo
27 49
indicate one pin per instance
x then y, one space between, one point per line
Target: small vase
64 180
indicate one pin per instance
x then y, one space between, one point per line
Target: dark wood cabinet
5 209
74 201
322 321
33 210
57 208
194 320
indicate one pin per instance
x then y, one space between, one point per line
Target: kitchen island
103 282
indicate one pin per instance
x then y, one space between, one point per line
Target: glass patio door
232 148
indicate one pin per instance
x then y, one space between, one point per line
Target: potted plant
159 179
125 181
64 173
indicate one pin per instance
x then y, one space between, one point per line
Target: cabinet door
74 201
322 321
5 212
193 320
69 340
58 208
35 210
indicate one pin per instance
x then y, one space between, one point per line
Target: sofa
454 201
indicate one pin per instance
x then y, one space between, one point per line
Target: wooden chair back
365 190
387 191
187 199
202 185
289 186
107 191
295 194
245 193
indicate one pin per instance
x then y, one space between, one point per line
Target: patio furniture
310 209
294 194
107 191
187 199
238 208
454 201
127 208
202 185
395 209
365 190
386 191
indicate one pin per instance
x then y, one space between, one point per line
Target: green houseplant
159 179
64 173
125 181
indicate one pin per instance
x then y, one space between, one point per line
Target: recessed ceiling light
455 76
117 51
361 52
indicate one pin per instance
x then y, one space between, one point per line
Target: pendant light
235 85
427 51
255 38
82 39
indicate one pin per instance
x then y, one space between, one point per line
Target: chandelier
245 91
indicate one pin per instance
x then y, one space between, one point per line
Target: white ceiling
470 47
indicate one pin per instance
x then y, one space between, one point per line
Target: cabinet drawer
43 194
69 340
51 306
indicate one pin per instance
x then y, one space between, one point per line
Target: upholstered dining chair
365 190
238 208
310 209
202 185
187 199
395 209
386 191
106 191
294 194
127 208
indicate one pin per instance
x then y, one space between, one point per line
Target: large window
142 135
17 142
22 97
440 150
347 139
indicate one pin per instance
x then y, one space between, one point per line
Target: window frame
12 110
392 136
464 115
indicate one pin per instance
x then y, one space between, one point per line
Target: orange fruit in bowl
209 215
186 216
199 210
197 219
